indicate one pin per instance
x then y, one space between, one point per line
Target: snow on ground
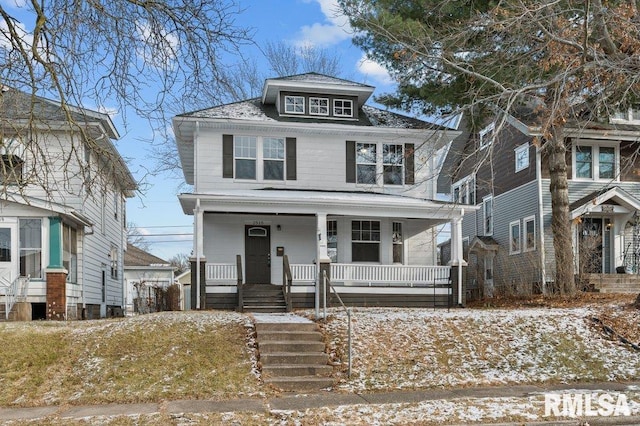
416 348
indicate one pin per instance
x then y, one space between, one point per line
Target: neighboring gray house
145 276
310 171
62 210
508 241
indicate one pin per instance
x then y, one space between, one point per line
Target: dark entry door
591 246
257 250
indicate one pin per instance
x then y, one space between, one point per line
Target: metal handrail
287 281
16 291
327 282
239 283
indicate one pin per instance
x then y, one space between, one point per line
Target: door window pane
31 247
5 245
398 243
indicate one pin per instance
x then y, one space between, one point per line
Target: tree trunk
560 223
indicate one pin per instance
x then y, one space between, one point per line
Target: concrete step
281 336
265 308
298 346
286 326
292 358
297 370
302 383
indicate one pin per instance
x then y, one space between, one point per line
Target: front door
595 246
8 251
257 250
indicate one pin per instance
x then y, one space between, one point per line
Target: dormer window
342 108
294 104
319 106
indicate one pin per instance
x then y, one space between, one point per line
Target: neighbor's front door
8 250
257 249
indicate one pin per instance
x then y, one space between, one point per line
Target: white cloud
14 4
334 30
374 71
25 37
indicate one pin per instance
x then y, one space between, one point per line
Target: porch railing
15 291
327 284
222 271
391 275
287 281
356 274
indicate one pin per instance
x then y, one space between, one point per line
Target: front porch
357 285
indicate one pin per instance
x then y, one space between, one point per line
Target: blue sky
291 21
156 211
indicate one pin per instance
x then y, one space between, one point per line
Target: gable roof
135 256
20 111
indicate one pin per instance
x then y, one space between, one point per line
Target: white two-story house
62 210
311 172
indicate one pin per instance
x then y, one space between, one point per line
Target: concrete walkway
320 399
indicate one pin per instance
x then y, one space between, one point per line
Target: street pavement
292 401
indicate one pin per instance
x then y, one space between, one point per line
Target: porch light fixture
279 228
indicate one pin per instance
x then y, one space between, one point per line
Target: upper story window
366 162
245 155
522 157
392 164
12 155
464 191
273 155
487 209
631 116
342 108
595 162
487 135
294 104
318 106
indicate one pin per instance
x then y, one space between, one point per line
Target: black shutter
291 159
227 156
409 164
351 161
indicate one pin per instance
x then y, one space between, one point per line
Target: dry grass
142 359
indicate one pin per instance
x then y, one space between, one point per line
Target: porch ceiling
313 202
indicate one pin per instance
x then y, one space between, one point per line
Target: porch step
292 353
263 298
615 283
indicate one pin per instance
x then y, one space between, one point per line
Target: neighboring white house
145 276
309 170
62 209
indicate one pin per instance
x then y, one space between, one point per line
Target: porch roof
591 202
272 201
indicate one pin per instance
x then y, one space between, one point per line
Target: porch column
457 259
322 262
56 274
198 261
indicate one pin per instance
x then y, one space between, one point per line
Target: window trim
378 242
319 99
293 104
525 246
487 135
626 116
487 227
518 249
522 149
343 107
467 183
260 158
595 160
